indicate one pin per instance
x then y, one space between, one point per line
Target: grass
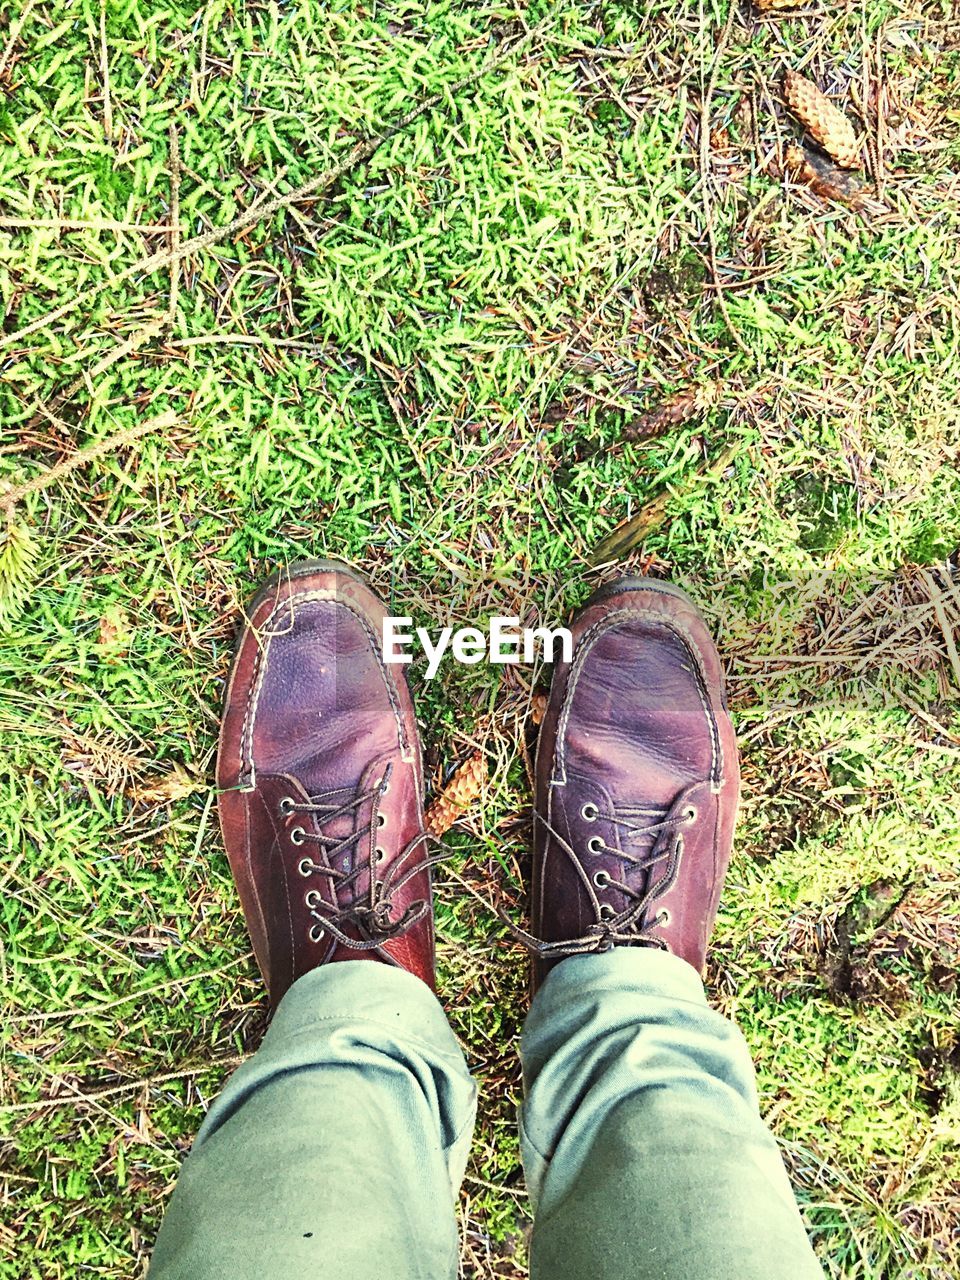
437 366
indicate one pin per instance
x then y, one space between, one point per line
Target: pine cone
458 795
824 122
673 411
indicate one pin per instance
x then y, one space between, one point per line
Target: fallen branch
706 177
76 1097
10 500
175 224
18 26
125 348
80 224
263 208
622 540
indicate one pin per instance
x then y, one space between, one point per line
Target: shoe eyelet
595 846
589 812
305 867
606 911
312 899
601 879
378 854
286 806
663 917
316 933
297 835
384 788
381 819
690 813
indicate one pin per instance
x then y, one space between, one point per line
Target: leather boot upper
320 783
637 781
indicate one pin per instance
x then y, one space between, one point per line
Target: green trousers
337 1151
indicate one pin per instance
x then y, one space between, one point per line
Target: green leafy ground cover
435 367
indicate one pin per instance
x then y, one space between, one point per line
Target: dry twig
174 223
622 540
76 1097
14 36
125 348
162 422
79 224
262 209
706 174
105 73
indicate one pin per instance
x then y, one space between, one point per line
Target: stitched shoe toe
636 782
320 783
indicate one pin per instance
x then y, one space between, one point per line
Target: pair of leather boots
321 783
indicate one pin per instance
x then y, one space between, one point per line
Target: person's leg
643 1146
642 1141
337 1150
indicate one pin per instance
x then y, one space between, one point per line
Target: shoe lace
372 917
635 924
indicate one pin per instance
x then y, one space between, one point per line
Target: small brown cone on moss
673 412
458 795
824 122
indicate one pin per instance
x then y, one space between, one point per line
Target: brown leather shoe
637 781
320 782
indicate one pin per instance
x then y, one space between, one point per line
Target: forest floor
495 303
